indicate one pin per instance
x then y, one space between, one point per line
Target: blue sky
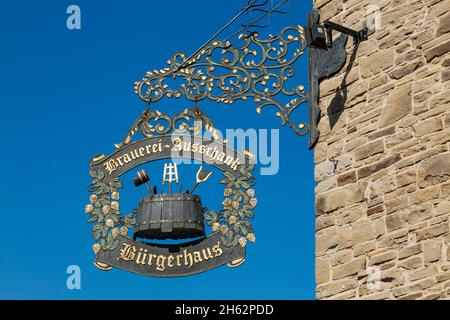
68 95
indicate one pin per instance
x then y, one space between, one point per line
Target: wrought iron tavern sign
254 68
171 215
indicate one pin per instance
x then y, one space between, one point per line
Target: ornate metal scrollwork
225 73
154 122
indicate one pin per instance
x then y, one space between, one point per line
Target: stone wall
382 163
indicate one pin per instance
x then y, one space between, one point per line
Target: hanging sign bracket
326 58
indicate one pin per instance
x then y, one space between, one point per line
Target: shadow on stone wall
336 106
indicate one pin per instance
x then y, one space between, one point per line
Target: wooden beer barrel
169 216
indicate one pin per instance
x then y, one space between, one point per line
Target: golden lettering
187 146
170 260
214 153
160 263
228 160
140 260
126 158
134 154
186 256
111 166
217 250
140 256
176 145
150 258
221 157
208 255
179 257
197 257
235 164
127 253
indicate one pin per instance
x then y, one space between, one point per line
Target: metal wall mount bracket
326 57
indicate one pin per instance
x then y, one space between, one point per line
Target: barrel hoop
174 199
165 221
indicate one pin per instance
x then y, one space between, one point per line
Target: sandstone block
432 251
407 177
434 170
444 24
422 37
428 126
397 204
443 277
445 75
348 295
368 150
406 69
329 289
399 137
349 215
373 210
419 213
411 263
396 221
408 56
432 296
364 248
382 257
382 133
399 105
384 295
393 238
383 185
323 170
424 195
424 272
341 257
322 271
359 232
442 208
382 164
338 198
416 287
412 296
377 62
437 50
346 178
356 92
433 231
325 185
410 251
354 143
324 221
348 269
326 240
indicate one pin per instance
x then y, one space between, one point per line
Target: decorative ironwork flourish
225 73
154 122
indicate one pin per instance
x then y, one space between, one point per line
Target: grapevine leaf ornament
105 213
237 208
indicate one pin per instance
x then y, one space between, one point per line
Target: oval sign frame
231 227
